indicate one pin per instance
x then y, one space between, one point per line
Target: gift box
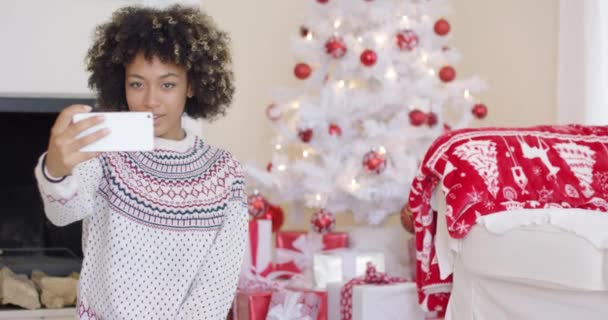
342 265
295 249
373 296
289 304
258 254
395 301
251 305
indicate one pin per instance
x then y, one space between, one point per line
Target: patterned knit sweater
164 232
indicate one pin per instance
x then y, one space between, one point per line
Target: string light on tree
467 95
391 74
380 39
424 57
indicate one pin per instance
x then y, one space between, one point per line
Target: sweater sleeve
71 198
213 289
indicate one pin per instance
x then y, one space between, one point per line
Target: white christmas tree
378 86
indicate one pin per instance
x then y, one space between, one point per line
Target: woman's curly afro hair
181 35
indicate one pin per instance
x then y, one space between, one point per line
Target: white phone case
129 131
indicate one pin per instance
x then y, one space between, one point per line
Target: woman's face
160 88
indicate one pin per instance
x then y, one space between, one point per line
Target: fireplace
28 241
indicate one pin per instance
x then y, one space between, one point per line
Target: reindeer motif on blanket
538 152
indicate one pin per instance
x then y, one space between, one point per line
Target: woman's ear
189 93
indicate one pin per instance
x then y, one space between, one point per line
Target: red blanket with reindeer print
489 170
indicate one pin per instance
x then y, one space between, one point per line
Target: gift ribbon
372 276
306 246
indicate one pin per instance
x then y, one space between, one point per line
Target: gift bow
372 276
307 245
290 309
252 281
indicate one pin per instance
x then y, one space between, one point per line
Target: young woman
163 231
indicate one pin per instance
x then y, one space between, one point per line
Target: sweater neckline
175 145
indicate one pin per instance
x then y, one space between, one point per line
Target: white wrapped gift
369 302
342 265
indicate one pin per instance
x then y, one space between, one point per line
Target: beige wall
512 44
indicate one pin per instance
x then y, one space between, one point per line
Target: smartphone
129 131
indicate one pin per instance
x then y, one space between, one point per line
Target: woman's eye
135 85
168 85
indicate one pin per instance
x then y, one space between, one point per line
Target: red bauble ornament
442 27
368 57
305 135
275 215
302 71
269 167
304 31
407 40
406 219
374 162
323 1
273 113
417 118
335 47
480 111
447 74
334 130
431 119
323 221
256 205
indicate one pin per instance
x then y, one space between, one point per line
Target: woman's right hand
63 152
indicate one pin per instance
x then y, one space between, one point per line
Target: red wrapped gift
295 249
251 305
